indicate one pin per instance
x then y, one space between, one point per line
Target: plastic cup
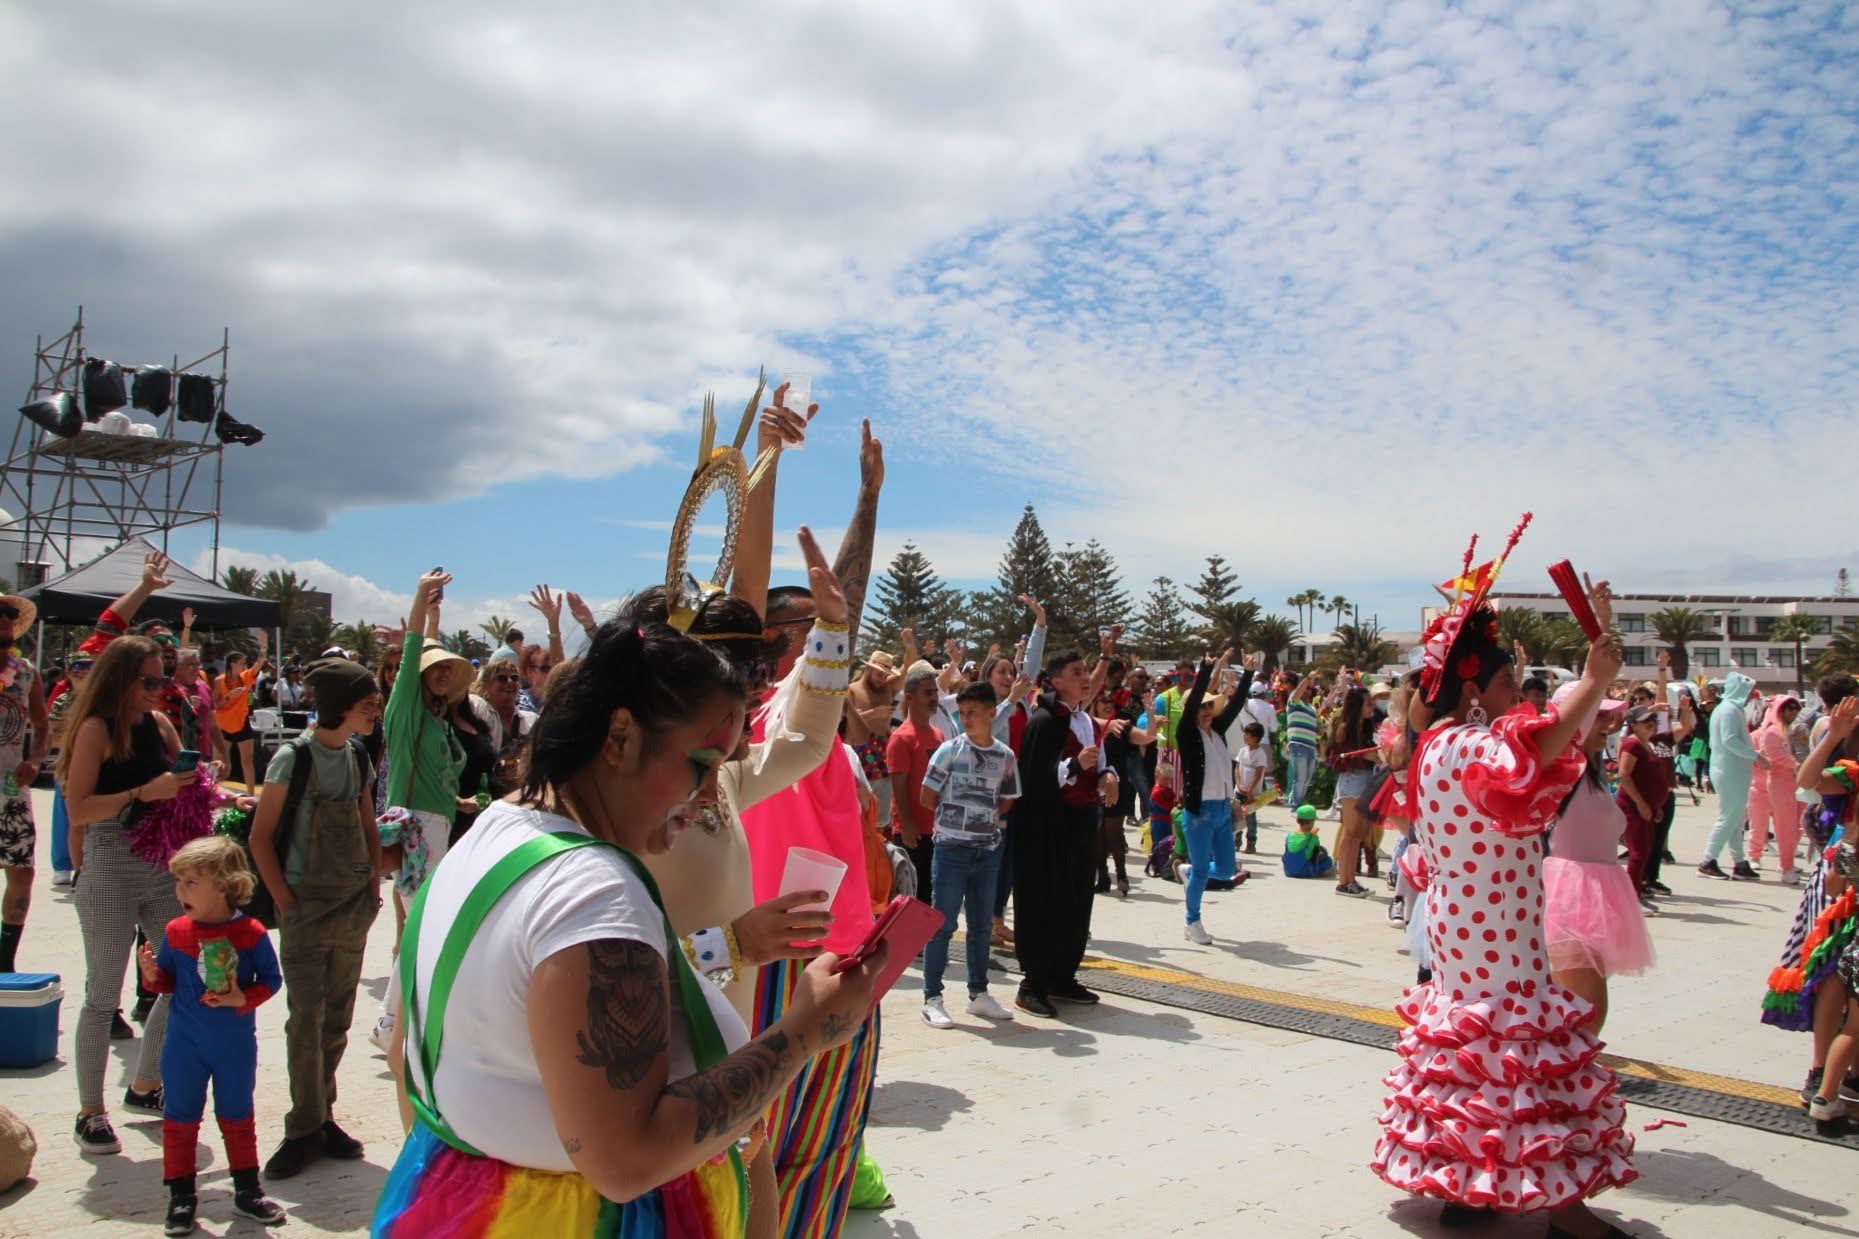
799 394
808 870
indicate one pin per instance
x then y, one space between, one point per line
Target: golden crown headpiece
720 470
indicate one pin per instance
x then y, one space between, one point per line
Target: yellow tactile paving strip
1661 1072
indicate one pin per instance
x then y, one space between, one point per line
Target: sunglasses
81 666
506 679
154 683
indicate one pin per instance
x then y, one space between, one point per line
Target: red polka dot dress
1497 1101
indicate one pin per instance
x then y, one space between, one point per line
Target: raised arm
853 564
550 604
776 427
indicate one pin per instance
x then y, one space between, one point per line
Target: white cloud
1322 290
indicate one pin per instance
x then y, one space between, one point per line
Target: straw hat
433 655
882 661
28 612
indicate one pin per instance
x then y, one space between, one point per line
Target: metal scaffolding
106 486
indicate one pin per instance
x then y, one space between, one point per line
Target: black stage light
153 390
103 388
57 413
230 429
196 398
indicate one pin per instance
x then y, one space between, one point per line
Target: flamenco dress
1497 1100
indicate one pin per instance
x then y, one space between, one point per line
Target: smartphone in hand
186 761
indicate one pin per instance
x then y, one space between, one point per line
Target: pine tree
1163 629
1089 599
1216 587
910 595
1027 567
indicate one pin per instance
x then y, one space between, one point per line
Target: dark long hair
656 672
1349 731
1478 639
728 624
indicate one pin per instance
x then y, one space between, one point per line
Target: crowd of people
660 1038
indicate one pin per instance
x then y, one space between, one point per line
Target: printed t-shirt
971 781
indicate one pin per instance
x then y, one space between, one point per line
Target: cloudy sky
1322 287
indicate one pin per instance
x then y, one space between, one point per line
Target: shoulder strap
301 767
427 1030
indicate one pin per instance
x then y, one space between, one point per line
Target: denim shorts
1352 784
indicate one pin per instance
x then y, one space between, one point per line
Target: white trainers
1196 933
383 1034
61 877
984 1005
1791 877
935 1014
1826 1110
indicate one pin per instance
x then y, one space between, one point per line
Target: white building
1741 638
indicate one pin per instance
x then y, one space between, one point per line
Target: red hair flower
1468 667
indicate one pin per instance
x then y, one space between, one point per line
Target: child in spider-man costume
219 965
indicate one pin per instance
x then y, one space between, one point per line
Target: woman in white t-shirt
563 1090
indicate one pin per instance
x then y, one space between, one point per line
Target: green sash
428 1032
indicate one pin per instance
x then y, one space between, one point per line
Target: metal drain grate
1703 1103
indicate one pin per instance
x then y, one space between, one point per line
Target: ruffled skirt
1502 1107
1592 918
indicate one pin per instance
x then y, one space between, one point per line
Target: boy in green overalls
323 869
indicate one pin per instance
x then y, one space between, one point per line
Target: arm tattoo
732 1093
834 1027
628 1011
572 1145
853 563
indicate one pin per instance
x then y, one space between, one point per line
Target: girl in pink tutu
1593 925
1497 1103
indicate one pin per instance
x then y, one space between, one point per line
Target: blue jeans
1210 849
961 873
61 832
1302 761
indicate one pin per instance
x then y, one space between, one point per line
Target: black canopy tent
79 596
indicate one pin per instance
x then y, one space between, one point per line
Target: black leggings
1661 837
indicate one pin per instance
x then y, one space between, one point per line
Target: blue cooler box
29 1003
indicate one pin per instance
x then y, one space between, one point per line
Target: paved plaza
1127 1118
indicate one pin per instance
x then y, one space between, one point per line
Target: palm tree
1560 643
1305 602
1232 624
1519 626
360 638
1271 637
1679 628
1361 646
497 628
241 581
1796 629
1843 655
286 589
1338 606
465 644
314 634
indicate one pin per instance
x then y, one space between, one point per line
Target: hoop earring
1476 716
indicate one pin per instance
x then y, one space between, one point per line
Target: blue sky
1322 288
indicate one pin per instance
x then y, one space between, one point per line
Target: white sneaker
383 1034
1826 1111
61 877
1196 933
1791 877
984 1005
935 1015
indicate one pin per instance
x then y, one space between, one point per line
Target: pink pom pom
168 825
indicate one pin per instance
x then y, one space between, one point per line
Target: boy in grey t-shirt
969 785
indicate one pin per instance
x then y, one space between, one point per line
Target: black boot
182 1203
248 1197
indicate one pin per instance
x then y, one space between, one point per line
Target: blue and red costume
209 1043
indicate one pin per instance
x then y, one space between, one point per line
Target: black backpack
262 906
